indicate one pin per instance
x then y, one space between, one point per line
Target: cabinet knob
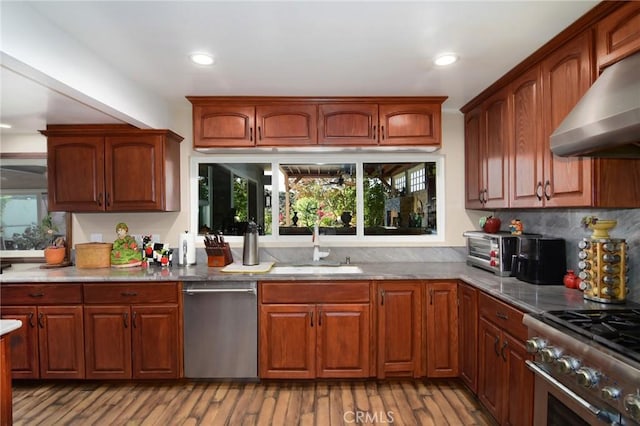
539 191
547 190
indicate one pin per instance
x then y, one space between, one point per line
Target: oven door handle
565 390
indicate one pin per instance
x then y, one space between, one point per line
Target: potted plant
55 251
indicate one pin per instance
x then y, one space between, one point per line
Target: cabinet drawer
315 292
503 315
40 294
124 293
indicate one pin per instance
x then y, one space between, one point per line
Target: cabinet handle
431 296
128 293
495 346
381 297
99 200
547 190
259 132
320 319
125 319
382 132
35 295
484 196
133 319
539 191
41 320
108 199
504 346
502 316
373 135
31 324
311 313
480 196
251 134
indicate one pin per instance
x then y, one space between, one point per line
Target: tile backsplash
565 223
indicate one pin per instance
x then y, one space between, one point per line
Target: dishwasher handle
194 291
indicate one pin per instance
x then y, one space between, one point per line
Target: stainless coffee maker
250 253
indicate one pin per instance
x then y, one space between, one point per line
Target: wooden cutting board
260 268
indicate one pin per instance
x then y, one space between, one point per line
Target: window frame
358 158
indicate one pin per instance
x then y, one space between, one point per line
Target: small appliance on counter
603 269
492 251
250 254
540 260
186 249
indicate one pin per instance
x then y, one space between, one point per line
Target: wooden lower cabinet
505 385
49 344
468 335
137 340
315 329
441 314
399 315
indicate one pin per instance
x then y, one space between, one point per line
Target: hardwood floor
267 403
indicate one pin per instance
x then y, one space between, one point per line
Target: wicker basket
93 255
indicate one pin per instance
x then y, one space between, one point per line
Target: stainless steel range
586 366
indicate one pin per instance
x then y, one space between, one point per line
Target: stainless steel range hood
606 121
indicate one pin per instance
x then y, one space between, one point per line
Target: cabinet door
474 159
23 342
518 382
399 328
491 388
348 124
107 342
75 170
496 151
468 335
223 126
156 342
134 172
617 35
287 125
288 341
567 74
442 329
61 342
526 155
410 124
343 340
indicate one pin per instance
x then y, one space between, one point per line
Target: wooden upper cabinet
410 124
348 124
224 122
294 124
526 155
474 159
496 151
567 74
618 35
112 168
75 166
223 126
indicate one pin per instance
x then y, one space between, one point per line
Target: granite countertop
8 325
528 297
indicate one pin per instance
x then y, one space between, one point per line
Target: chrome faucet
317 254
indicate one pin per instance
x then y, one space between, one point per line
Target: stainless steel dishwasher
220 329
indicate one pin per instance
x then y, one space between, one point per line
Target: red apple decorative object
490 224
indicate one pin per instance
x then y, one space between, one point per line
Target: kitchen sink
317 269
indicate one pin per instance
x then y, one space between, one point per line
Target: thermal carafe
186 249
250 254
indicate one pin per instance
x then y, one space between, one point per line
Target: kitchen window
355 198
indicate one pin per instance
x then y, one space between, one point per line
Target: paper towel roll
186 249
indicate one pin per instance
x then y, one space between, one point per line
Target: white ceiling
290 48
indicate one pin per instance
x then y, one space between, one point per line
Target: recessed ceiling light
201 58
5 126
445 59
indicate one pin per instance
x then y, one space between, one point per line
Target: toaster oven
492 252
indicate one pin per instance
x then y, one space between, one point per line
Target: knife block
219 256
